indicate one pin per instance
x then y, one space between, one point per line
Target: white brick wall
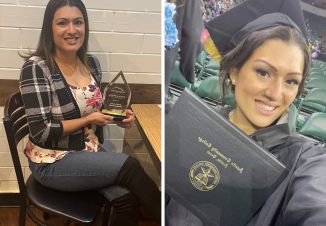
124 35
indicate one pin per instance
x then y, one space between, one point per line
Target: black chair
82 207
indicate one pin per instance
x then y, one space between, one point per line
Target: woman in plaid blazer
60 86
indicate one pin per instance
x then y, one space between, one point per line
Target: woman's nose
71 28
274 90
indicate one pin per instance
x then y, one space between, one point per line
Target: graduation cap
230 28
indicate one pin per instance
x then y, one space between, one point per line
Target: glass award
116 98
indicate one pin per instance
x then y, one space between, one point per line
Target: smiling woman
265 61
269 80
60 86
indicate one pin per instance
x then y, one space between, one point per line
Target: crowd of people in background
317 39
213 8
319 44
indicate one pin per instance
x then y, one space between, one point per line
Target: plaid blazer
48 100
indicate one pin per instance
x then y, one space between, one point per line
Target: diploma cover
213 168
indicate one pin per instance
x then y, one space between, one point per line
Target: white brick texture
33 2
10 73
135 63
4 143
1 112
100 20
104 59
124 35
8 174
21 16
126 5
137 22
115 42
9 58
2 130
7 2
30 38
152 44
130 27
9 38
9 187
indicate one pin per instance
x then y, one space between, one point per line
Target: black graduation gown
190 25
301 197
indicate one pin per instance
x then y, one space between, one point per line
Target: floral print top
89 100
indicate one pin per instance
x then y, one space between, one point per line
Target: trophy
116 98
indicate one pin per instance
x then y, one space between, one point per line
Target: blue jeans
80 170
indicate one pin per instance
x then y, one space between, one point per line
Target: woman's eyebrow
67 19
271 66
264 61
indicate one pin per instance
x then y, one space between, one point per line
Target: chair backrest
229 99
177 78
315 83
16 127
316 95
201 58
293 116
315 126
209 88
212 64
317 76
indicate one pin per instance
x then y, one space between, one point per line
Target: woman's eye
79 22
292 82
61 23
262 73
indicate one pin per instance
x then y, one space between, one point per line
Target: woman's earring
233 81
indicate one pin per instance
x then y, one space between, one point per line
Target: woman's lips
71 40
265 109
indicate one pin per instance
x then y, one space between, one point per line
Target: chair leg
46 216
22 210
107 212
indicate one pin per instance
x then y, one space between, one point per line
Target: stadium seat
177 77
314 127
315 83
209 88
229 99
315 100
316 75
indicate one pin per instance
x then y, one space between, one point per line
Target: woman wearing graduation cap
265 57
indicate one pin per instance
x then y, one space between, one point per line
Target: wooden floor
9 217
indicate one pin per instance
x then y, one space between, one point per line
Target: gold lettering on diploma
214 153
237 167
224 164
204 142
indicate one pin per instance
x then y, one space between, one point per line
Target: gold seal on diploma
204 176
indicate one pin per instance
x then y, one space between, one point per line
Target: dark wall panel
140 93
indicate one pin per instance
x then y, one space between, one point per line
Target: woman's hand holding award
116 98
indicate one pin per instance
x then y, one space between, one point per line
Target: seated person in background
231 4
203 9
223 6
212 9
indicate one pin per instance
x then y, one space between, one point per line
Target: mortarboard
228 29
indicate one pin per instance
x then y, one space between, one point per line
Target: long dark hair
237 57
46 46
